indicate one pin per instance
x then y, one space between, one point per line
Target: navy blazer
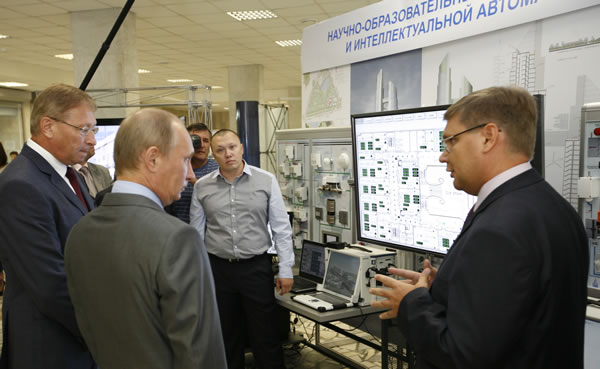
511 293
37 211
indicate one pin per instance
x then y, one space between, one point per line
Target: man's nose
444 157
90 139
190 172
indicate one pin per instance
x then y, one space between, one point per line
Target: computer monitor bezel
305 275
355 148
356 293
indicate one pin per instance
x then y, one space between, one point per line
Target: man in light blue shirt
233 209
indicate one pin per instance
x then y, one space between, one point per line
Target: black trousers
247 308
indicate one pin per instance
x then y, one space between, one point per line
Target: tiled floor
300 356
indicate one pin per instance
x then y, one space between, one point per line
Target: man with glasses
511 293
41 198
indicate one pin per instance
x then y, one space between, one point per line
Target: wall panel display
326 98
389 83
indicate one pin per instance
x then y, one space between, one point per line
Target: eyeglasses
83 131
449 141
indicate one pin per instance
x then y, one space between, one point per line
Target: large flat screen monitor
405 198
105 143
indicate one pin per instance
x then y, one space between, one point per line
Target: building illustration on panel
385 103
444 87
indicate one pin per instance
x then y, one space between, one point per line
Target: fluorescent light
144 71
288 43
13 84
3 36
182 80
217 87
252 15
226 108
64 56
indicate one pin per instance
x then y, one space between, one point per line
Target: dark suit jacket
511 292
37 211
142 288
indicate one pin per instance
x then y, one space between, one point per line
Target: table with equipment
327 318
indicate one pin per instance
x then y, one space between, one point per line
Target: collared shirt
136 189
181 207
498 180
234 218
59 167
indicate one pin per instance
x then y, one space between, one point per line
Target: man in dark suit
139 278
511 293
41 198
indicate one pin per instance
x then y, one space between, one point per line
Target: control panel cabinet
314 170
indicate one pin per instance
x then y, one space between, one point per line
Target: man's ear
491 133
152 157
47 127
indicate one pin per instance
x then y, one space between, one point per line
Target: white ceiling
192 39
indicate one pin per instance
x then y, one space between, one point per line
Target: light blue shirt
136 189
234 218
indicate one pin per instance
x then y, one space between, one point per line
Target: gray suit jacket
101 176
142 288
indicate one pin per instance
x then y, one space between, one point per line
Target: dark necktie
470 215
75 184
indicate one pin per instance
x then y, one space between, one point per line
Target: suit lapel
522 180
56 179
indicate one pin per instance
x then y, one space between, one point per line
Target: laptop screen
312 261
341 275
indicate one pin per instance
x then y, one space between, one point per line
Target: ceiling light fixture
217 87
3 36
64 56
144 71
182 80
288 43
252 15
13 84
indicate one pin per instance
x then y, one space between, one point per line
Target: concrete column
245 84
295 107
119 67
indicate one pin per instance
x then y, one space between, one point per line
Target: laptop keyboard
331 299
300 283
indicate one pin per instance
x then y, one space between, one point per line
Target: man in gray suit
96 176
139 278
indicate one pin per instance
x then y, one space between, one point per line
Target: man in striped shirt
201 164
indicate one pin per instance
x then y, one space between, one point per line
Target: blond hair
513 109
55 101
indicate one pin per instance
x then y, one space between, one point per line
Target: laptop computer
312 267
340 288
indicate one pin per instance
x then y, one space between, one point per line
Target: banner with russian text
394 26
